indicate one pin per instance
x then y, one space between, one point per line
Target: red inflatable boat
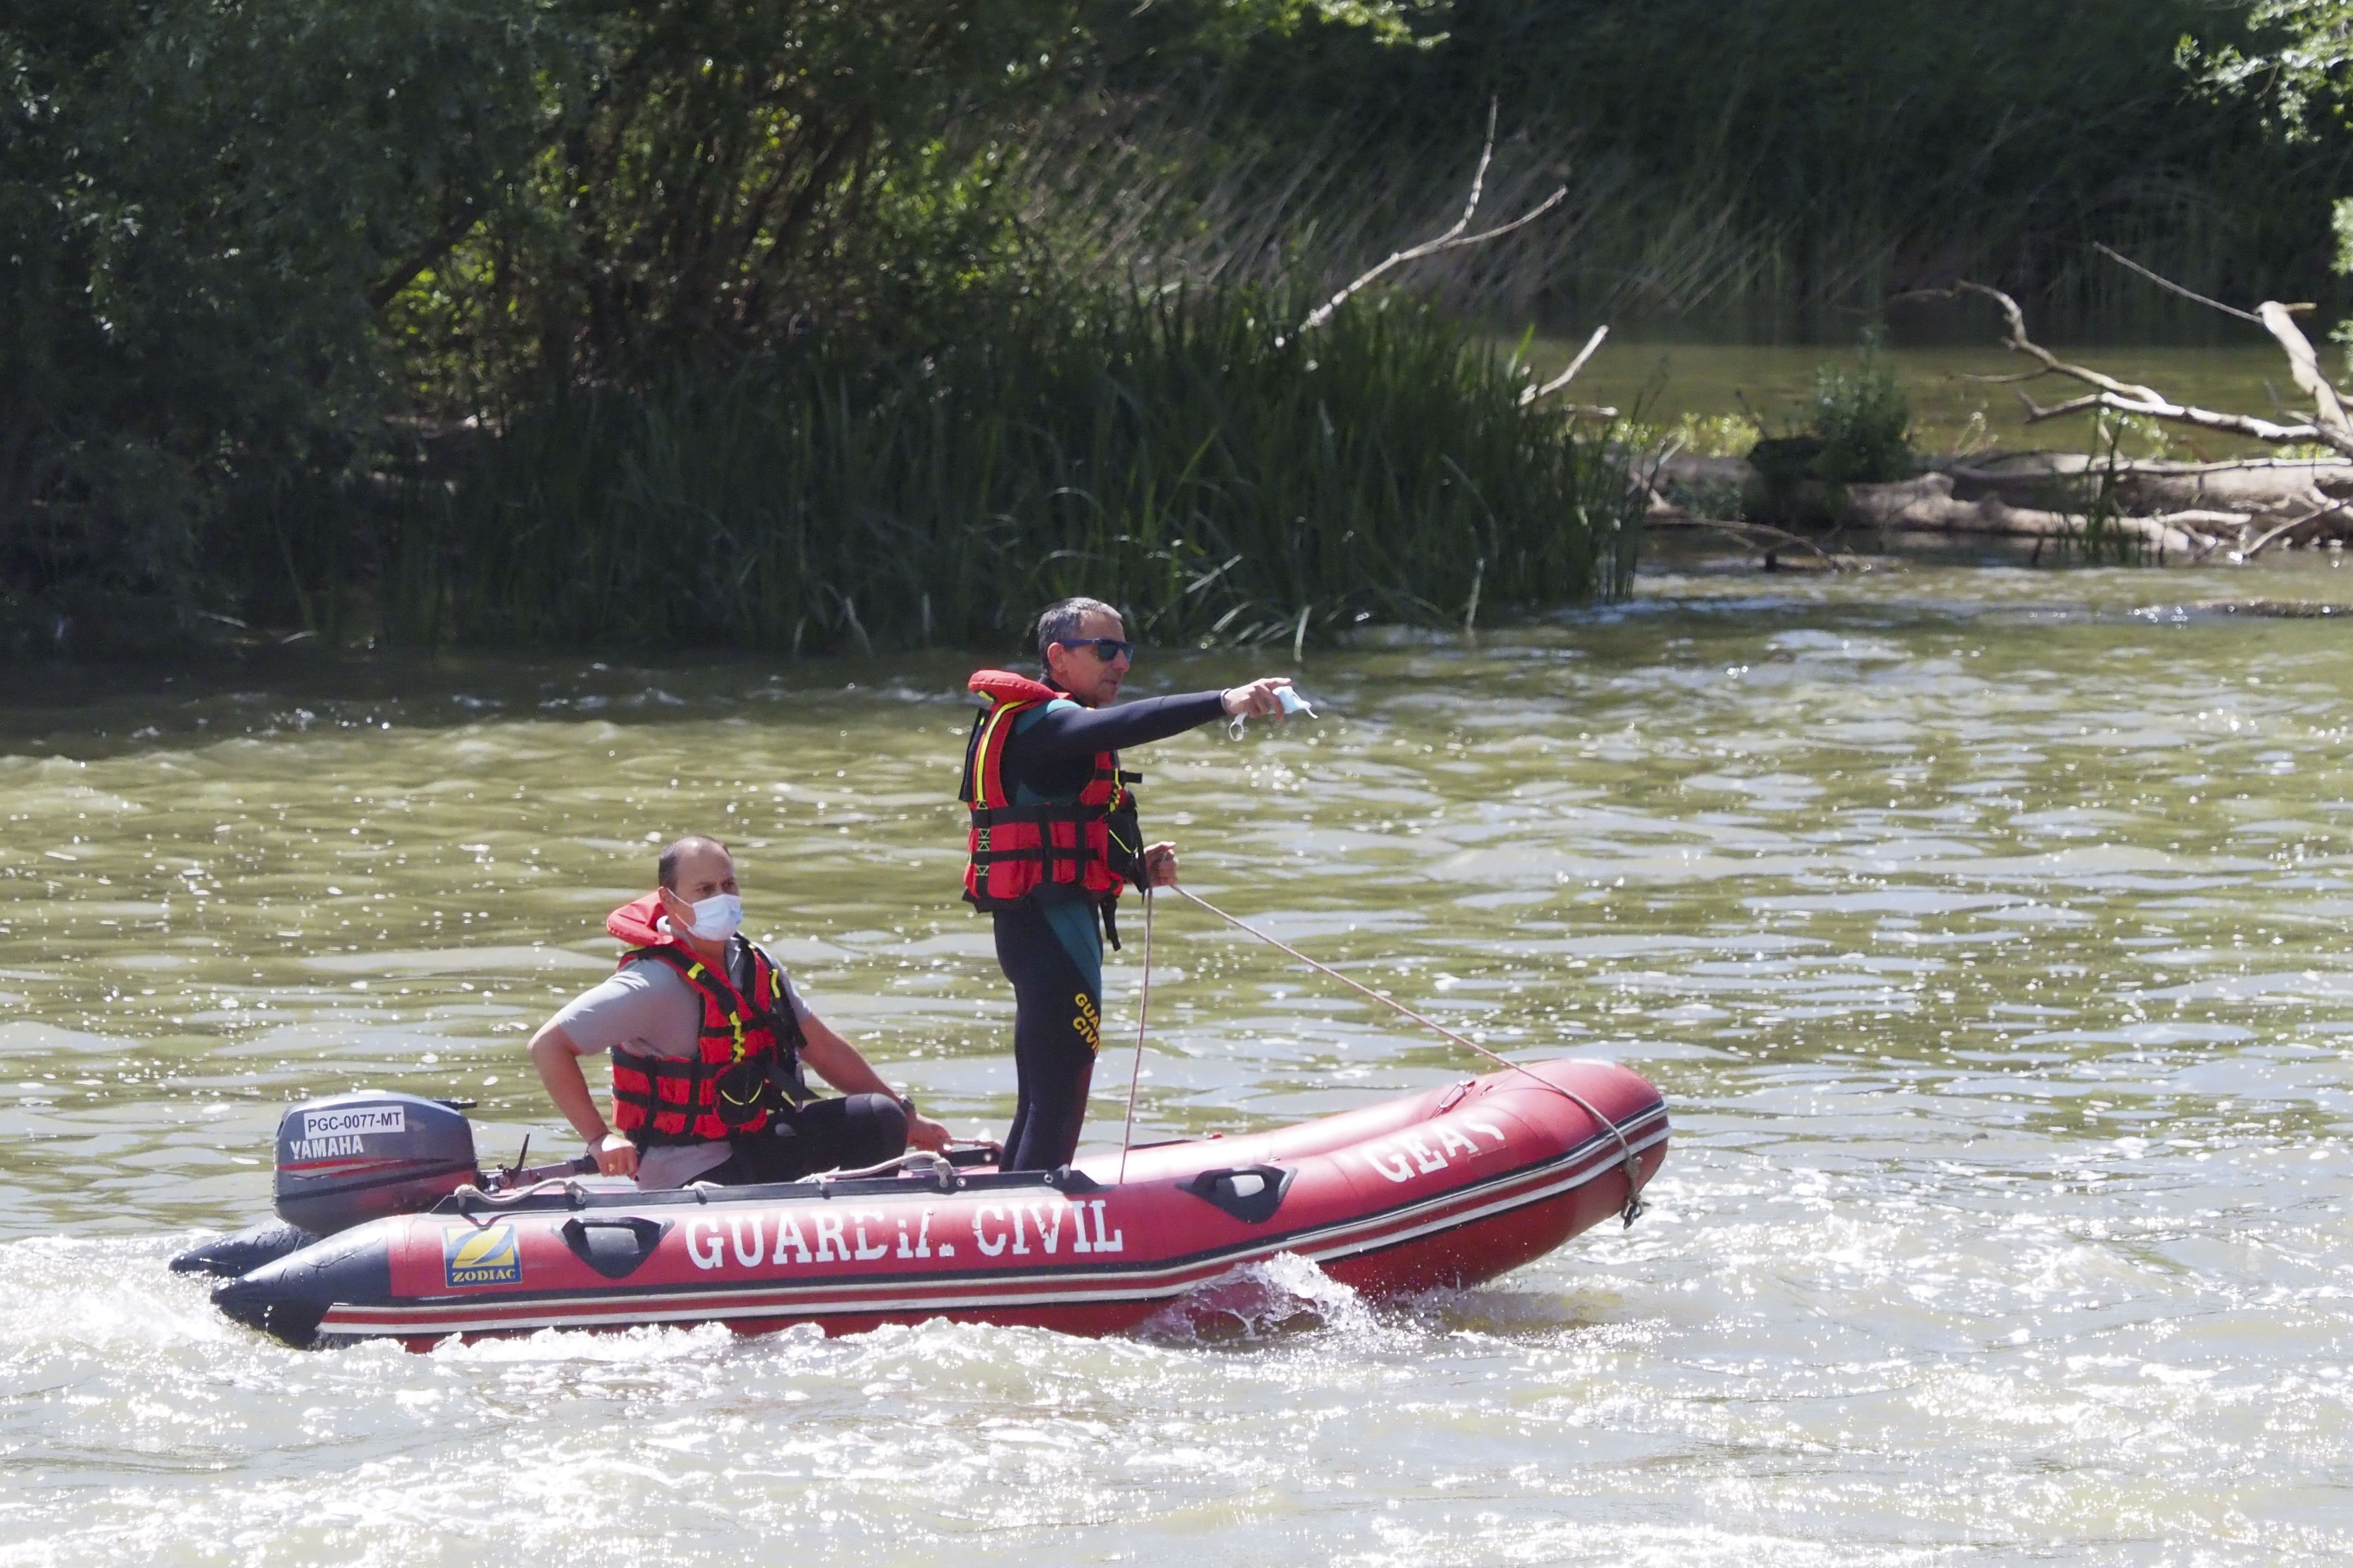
1448 1187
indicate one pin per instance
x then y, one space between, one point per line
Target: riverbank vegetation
517 321
1178 453
1759 169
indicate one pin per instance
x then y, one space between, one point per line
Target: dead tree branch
2328 425
1455 239
2285 529
1750 533
2274 318
2305 365
1533 394
2172 286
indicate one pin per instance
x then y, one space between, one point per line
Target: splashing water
1255 1303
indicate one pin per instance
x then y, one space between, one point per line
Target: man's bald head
692 854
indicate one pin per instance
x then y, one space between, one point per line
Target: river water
1981 926
1963 395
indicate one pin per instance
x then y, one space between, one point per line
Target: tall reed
1178 453
1756 167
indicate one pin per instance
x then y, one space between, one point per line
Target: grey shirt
650 1008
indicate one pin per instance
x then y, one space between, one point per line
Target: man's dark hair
1060 619
667 866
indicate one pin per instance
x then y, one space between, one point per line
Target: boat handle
1249 1193
592 1242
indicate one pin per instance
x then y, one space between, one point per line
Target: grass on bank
1180 454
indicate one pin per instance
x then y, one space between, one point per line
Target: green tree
206 203
244 233
727 175
2300 62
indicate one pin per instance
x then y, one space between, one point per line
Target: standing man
1054 837
708 1039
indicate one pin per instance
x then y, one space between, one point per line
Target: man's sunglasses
1106 649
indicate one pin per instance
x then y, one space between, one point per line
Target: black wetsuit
1049 944
834 1133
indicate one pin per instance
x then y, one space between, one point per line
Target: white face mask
718 917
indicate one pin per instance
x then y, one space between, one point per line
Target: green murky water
1953 407
1984 929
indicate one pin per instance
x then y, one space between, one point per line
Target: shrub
1861 419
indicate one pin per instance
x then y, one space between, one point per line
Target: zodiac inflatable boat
391 1231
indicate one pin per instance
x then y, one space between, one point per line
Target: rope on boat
1143 1006
933 1165
1634 1205
469 1193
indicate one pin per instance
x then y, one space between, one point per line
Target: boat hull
1451 1187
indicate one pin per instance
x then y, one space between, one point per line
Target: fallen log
1928 505
2182 510
2260 486
2192 508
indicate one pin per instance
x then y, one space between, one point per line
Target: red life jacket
1012 850
748 1047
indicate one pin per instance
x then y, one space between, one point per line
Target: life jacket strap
997 816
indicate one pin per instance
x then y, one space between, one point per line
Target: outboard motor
350 1158
343 1161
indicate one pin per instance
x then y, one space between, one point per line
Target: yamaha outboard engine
350 1158
343 1161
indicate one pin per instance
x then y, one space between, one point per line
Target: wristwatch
907 1104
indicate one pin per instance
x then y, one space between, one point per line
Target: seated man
708 1039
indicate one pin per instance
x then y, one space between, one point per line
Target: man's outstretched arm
1064 734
